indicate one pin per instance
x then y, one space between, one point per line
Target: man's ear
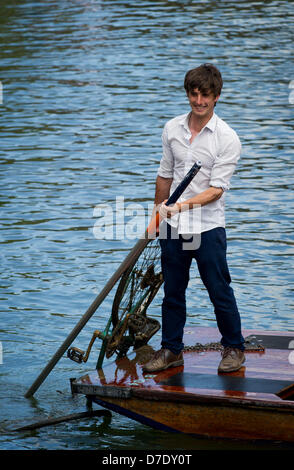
216 99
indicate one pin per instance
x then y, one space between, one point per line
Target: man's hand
169 211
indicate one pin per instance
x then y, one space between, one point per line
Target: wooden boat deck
194 398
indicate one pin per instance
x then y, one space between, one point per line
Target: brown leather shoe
232 360
163 359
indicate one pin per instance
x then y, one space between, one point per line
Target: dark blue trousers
210 255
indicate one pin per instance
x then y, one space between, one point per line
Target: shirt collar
211 125
184 121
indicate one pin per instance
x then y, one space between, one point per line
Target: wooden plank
225 382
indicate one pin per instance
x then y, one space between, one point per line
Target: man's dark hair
207 78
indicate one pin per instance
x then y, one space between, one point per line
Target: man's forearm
162 189
161 192
209 195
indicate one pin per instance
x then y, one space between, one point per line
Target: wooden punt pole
62 419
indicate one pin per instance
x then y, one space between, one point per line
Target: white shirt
218 148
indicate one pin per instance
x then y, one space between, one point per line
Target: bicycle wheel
136 290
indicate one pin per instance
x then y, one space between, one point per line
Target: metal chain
204 347
249 344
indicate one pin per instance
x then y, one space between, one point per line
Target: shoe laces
158 353
228 351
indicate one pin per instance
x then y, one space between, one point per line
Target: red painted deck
255 385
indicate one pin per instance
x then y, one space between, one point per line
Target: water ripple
87 88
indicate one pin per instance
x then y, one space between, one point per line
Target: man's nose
199 99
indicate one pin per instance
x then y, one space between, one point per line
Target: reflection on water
87 88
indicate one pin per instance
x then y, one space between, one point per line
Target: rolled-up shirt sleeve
225 162
167 161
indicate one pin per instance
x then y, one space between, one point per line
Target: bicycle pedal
75 354
149 329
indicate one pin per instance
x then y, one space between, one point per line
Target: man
198 135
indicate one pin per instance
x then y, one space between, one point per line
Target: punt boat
256 402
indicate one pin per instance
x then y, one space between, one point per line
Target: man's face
202 104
